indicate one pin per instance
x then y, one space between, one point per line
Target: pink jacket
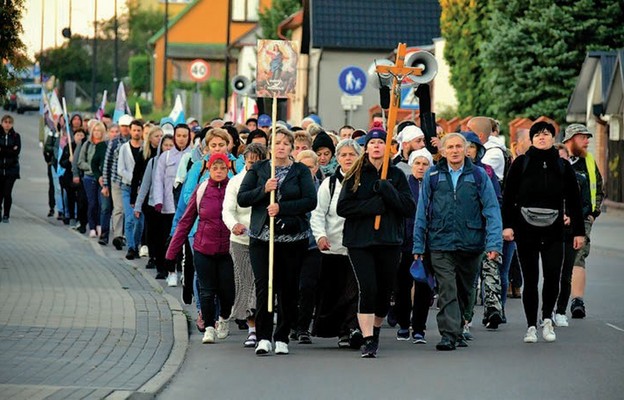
212 236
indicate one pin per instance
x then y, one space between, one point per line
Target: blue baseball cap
264 120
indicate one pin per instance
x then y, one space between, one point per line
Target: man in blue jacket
457 219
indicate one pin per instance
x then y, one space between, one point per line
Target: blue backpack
434 179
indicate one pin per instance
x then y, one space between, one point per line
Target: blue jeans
133 226
58 192
508 251
91 188
106 205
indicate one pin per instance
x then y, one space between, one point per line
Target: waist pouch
540 217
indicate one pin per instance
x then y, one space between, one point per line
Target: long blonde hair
147 148
355 171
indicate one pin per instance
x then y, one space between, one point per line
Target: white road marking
615 327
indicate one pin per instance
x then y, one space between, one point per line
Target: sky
56 17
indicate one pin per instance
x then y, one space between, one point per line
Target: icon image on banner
352 80
277 68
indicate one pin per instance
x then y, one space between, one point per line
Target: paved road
76 320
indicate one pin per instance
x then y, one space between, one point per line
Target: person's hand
137 214
101 181
579 242
71 158
492 255
435 141
239 229
270 185
566 220
508 234
158 207
105 192
323 243
76 180
591 219
418 257
273 209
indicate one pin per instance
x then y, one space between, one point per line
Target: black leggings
215 276
566 276
529 251
375 270
404 307
6 194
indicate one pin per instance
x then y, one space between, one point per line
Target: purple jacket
212 236
166 170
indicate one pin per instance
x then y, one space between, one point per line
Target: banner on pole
277 68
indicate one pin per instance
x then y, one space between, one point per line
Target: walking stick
272 219
398 71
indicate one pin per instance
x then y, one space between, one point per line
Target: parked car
28 97
10 102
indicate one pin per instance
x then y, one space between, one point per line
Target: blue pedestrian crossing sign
352 80
409 100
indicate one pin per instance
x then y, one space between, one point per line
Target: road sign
409 100
351 103
352 80
199 70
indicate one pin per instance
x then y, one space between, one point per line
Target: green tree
12 49
271 17
139 66
71 61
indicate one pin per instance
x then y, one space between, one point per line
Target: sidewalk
79 321
608 232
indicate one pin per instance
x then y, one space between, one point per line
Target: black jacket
298 194
10 147
392 199
541 184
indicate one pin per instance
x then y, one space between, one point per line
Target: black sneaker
304 337
344 342
82 228
369 349
151 264
493 320
5 219
577 308
131 254
118 243
356 339
445 344
294 335
461 341
403 334
51 213
161 275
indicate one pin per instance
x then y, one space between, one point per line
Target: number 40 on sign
199 70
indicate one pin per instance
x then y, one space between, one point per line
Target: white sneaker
548 331
172 279
92 234
264 347
561 320
209 335
143 251
223 328
531 335
281 348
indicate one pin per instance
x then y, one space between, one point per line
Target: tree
140 72
271 17
71 61
12 49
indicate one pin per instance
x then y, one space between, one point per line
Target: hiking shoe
263 348
5 219
577 308
251 340
209 335
199 322
419 338
304 338
356 339
445 344
369 349
391 317
548 331
143 251
131 254
281 348
531 335
493 320
461 341
118 243
561 320
172 279
223 328
466 333
343 342
403 334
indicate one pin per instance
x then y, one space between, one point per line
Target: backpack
434 178
201 189
508 160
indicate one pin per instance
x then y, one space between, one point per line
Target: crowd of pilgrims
195 203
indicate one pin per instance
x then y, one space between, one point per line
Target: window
245 10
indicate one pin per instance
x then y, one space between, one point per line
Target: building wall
444 95
328 106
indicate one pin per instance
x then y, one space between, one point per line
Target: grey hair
258 149
349 143
454 135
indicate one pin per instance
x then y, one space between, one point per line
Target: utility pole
164 88
116 56
94 62
41 49
227 58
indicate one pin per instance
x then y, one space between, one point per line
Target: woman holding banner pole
295 196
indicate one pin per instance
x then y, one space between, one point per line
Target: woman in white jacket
338 292
237 220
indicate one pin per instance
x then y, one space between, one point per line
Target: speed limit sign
199 70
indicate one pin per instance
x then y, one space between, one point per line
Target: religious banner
277 68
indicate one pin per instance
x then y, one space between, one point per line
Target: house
598 102
204 29
334 35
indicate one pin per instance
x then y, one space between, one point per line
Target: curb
153 386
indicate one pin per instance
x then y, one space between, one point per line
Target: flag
121 103
55 106
177 113
45 112
137 111
100 112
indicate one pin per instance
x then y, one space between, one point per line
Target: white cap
410 133
125 120
191 119
420 153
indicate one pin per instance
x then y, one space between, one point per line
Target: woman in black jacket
295 196
10 147
374 254
539 186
